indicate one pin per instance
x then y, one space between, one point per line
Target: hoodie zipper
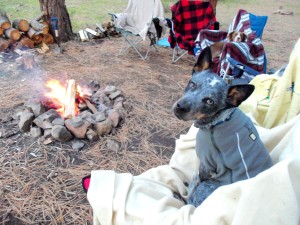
220 154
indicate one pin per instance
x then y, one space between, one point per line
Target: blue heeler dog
227 143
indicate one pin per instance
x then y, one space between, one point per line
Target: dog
236 36
233 36
227 143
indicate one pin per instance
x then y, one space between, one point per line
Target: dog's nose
182 107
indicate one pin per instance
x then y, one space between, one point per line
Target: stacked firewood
106 29
23 33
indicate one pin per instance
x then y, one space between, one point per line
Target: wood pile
107 29
23 33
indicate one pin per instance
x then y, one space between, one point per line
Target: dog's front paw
200 192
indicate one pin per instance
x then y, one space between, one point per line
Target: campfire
70 111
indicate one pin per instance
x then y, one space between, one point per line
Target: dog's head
207 94
237 36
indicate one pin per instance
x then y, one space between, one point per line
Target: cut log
90 106
83 35
46 28
4 21
22 25
36 36
4 44
37 25
95 33
12 33
48 39
26 42
69 111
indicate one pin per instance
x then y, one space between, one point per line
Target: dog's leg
200 191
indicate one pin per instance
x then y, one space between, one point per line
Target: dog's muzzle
181 108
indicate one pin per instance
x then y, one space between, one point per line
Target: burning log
4 21
34 35
12 33
69 111
21 25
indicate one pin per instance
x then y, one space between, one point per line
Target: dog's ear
238 93
230 36
243 37
204 60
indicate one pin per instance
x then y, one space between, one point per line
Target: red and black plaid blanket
188 18
250 53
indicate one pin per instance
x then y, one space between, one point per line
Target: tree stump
57 8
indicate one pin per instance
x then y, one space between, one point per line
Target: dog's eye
209 101
192 84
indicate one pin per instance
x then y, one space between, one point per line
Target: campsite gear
188 18
241 59
54 21
136 24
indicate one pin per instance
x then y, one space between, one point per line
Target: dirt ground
146 139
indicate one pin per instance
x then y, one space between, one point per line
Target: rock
25 122
77 145
47 124
115 117
58 121
77 122
35 132
103 128
36 107
100 117
118 105
115 94
47 133
109 89
50 115
112 145
94 86
61 133
78 132
92 135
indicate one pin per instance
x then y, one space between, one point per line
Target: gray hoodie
232 151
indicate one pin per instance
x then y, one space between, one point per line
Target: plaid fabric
188 18
250 53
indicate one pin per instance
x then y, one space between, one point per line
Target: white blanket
137 17
270 198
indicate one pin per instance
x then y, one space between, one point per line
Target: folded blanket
189 17
137 17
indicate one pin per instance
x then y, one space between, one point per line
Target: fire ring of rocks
99 114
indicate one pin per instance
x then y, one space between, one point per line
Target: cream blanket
137 17
270 198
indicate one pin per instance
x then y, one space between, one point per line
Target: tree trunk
57 8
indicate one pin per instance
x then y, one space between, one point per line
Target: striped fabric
250 53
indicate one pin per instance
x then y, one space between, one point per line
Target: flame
57 95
